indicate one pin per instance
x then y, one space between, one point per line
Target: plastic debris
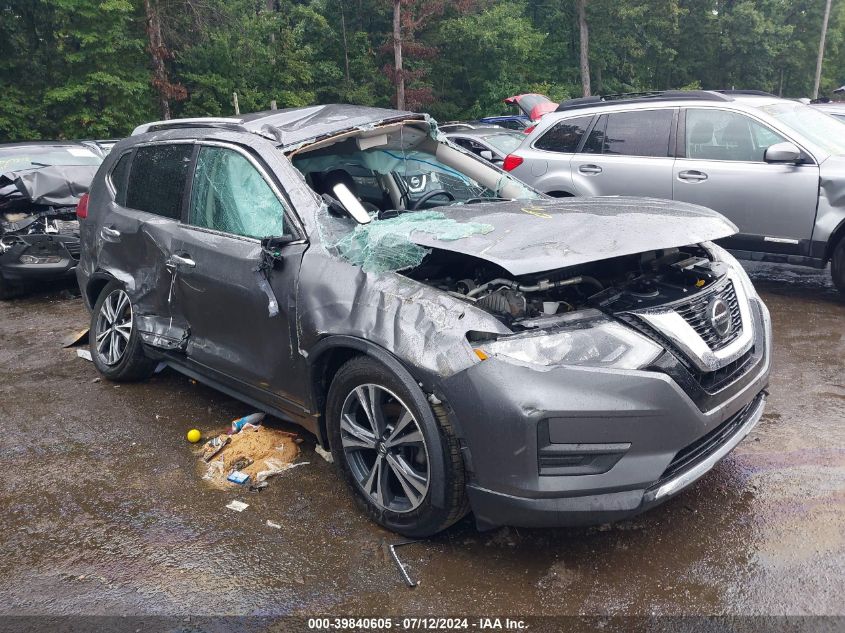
84 353
324 454
75 338
237 506
237 477
214 446
273 524
386 245
275 468
252 421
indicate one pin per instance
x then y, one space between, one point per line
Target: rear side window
643 133
230 195
119 175
157 180
565 136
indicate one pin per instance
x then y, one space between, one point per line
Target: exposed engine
612 285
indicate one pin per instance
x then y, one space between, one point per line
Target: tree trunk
397 54
157 55
820 58
345 44
585 47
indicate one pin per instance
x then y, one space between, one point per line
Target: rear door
242 322
135 235
721 165
627 153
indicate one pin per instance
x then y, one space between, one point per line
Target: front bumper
583 446
65 247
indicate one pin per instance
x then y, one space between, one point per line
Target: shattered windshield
407 181
26 157
505 143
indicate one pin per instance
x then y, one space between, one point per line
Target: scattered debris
258 453
258 486
252 421
75 338
84 353
238 477
404 572
324 454
214 446
237 506
193 435
272 524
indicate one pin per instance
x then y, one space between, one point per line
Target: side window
639 133
595 142
564 136
230 195
721 135
157 180
119 175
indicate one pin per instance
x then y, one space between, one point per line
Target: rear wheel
115 343
402 462
837 265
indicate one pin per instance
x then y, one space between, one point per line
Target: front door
242 327
721 165
627 154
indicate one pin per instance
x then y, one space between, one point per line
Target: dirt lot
104 512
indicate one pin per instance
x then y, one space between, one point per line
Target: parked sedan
40 186
490 143
471 344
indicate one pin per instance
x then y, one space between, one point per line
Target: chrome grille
694 312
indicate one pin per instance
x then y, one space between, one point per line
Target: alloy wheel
114 327
385 449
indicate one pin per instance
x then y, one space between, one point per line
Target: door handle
182 260
589 169
691 175
109 234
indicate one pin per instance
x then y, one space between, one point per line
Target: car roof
293 126
42 144
667 98
485 131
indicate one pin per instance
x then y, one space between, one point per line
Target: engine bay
619 284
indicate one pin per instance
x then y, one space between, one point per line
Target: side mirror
785 152
486 154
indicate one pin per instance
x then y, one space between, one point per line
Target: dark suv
455 338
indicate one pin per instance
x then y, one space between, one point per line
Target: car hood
540 235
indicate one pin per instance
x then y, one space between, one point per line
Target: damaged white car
457 340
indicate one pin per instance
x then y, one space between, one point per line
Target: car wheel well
837 236
94 288
559 194
325 368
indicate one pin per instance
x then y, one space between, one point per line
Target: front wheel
837 265
402 462
115 343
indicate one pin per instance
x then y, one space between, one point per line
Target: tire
118 356
837 265
424 447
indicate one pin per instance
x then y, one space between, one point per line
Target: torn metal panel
56 185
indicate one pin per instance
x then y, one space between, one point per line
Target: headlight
34 259
719 254
592 341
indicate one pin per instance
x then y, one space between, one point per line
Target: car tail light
82 207
512 161
529 129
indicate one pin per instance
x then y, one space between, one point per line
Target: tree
584 32
820 58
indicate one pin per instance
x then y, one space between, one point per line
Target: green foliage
82 68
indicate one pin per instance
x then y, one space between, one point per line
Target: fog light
35 259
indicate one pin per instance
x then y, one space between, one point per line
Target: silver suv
776 168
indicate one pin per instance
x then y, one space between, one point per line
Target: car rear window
157 180
565 136
643 133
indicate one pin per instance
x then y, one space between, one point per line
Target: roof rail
654 95
173 124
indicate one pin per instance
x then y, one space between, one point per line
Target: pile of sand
269 449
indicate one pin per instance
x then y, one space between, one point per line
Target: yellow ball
194 436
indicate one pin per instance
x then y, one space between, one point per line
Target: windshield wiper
491 199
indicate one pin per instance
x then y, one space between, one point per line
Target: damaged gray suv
457 340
